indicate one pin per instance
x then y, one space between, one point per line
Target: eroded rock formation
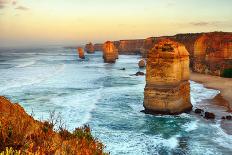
81 53
110 53
142 63
213 53
130 46
167 88
98 47
89 48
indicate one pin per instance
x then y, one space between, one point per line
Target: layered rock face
98 47
213 53
89 48
130 46
167 88
110 53
81 53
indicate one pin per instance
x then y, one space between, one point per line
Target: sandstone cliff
130 46
98 47
89 48
167 88
110 53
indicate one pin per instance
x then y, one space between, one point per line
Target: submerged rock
198 111
167 88
81 53
209 115
139 74
110 53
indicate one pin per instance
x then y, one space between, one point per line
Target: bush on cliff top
227 73
21 134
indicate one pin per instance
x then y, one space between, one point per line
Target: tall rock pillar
167 89
81 53
110 53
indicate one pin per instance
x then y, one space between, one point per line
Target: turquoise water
108 99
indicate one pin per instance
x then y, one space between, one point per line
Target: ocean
108 99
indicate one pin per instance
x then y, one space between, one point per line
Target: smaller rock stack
167 88
81 53
142 63
89 48
110 53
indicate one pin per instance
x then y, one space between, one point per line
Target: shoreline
224 85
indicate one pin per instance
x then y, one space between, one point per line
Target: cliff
25 135
130 46
110 53
167 89
98 47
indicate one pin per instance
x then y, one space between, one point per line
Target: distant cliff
98 47
130 46
210 53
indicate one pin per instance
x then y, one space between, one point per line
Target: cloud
215 23
14 2
23 8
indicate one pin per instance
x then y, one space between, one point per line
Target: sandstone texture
212 53
130 46
89 48
110 53
167 88
81 53
98 47
142 63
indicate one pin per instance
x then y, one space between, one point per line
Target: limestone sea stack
142 63
81 53
110 53
167 89
89 48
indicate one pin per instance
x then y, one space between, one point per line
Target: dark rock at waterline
229 117
198 111
209 115
122 69
139 74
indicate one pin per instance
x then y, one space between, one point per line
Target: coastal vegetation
20 134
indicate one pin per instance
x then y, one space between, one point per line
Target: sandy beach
224 85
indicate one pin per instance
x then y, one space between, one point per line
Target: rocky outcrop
167 88
130 46
142 63
110 53
81 53
89 48
212 53
98 47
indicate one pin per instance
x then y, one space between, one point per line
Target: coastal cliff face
110 53
167 88
213 53
98 47
130 46
89 48
81 53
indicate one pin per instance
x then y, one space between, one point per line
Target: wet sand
224 85
220 105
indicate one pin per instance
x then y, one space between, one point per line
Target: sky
74 22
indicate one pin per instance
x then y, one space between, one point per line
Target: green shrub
227 73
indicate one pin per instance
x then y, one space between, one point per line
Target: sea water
108 99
